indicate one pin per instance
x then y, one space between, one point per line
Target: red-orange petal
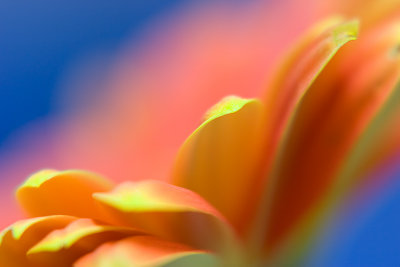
283 98
298 72
336 111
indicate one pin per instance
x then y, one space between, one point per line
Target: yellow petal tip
227 105
346 32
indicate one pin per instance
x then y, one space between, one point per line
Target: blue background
39 39
365 235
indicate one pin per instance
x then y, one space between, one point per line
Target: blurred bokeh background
53 51
43 40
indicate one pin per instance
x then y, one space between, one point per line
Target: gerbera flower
252 185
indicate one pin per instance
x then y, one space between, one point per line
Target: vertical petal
219 159
338 110
284 96
298 72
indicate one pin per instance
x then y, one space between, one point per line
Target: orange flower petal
283 98
17 239
218 160
334 114
171 212
145 251
298 72
376 145
50 192
380 137
62 247
369 12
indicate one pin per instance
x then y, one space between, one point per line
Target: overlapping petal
273 168
377 143
378 140
298 72
62 247
51 192
154 207
146 251
224 151
168 211
16 240
284 95
337 110
196 162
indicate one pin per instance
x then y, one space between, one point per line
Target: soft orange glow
255 181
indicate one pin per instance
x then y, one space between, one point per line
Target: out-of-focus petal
379 142
338 108
293 79
168 211
218 160
298 72
17 239
62 247
380 138
51 192
368 11
200 54
145 251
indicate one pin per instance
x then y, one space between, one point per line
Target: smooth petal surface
370 12
16 240
379 139
298 72
168 211
62 247
145 251
335 113
377 143
219 159
51 192
292 82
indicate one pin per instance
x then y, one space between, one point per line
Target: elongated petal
283 98
218 160
168 211
62 247
337 110
16 240
145 251
378 142
50 192
297 74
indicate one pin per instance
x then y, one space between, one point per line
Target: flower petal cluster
80 219
251 186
